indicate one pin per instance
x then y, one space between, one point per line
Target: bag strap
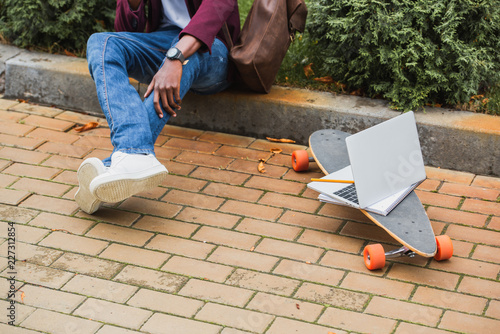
227 35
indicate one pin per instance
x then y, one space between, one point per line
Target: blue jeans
113 57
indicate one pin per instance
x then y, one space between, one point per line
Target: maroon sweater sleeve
208 20
130 20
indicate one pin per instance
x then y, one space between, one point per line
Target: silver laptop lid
385 158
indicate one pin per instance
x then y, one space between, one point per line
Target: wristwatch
175 54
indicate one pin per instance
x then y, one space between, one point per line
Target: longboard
408 222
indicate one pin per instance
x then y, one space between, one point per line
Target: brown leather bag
264 40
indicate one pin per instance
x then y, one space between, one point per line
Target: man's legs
134 124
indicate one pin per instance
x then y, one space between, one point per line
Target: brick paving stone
87 265
191 145
65 149
406 328
243 259
330 240
151 278
377 285
12 196
41 187
63 162
165 210
41 297
494 223
286 326
51 204
22 312
119 234
480 287
309 272
486 253
24 156
286 307
25 233
99 288
461 322
41 275
68 177
193 199
134 255
7 180
354 321
4 328
220 175
470 191
336 297
16 214
205 217
424 276
279 186
203 159
310 221
485 207
41 256
234 192
180 246
227 139
15 129
468 267
48 123
53 136
288 250
264 228
475 235
266 145
166 226
36 109
32 171
429 185
449 175
235 317
215 292
486 181
6 104
87 142
20 142
290 202
79 117
178 168
53 322
74 243
113 313
263 282
251 210
196 268
401 310
242 153
449 300
156 325
107 329
165 302
493 310
349 262
228 330
220 236
178 131
185 183
436 199
456 216
113 216
59 222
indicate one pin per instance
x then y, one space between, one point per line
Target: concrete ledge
450 139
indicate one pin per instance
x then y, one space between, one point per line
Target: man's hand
166 86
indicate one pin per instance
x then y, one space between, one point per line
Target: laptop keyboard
349 193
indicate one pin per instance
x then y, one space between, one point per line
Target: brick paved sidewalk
222 248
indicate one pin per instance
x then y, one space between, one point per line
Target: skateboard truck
400 252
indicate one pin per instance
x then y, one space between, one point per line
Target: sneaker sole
83 197
117 190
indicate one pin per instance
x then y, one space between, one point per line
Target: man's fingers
150 88
156 103
165 102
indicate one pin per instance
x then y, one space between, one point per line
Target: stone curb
450 139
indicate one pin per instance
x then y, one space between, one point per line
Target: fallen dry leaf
308 70
326 80
252 249
297 306
282 140
22 296
86 127
276 150
70 54
261 167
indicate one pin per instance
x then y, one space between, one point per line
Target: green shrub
49 24
411 52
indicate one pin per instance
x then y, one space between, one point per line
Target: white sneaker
88 170
128 175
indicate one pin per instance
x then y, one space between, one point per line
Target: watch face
171 52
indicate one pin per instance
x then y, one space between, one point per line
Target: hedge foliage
411 52
60 24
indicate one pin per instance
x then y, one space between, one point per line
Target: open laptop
385 160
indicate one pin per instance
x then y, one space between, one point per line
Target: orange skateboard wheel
374 256
444 248
300 160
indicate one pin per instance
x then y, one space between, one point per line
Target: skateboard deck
408 222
